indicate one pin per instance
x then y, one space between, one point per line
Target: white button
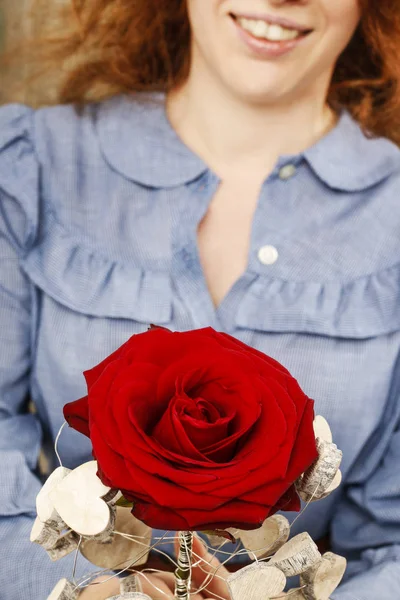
267 255
287 172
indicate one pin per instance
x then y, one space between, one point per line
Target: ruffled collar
137 140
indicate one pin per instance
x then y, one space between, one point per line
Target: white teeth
260 28
274 33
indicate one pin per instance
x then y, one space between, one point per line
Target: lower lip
266 48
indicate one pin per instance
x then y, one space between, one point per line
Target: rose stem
184 571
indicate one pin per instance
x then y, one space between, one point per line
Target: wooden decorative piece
258 581
130 584
106 536
112 496
323 579
334 485
64 590
44 535
66 544
322 429
120 552
78 499
268 538
298 555
44 505
319 477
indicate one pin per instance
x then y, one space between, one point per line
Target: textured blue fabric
98 220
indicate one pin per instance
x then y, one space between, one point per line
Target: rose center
201 409
196 424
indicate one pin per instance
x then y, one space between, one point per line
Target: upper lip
273 21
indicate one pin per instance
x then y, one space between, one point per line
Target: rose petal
77 415
233 514
171 435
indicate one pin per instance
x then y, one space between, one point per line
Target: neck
228 132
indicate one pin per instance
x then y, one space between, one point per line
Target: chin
258 83
259 93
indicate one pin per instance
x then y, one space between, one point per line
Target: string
76 557
86 578
142 574
56 442
128 536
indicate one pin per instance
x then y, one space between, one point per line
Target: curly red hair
119 46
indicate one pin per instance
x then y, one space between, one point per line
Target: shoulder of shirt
47 128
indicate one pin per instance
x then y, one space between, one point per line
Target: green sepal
124 503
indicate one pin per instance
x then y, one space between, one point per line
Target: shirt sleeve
26 572
366 524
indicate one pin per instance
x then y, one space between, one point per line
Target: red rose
199 430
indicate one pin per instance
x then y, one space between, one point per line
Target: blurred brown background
19 23
14 27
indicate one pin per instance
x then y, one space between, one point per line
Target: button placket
190 278
268 254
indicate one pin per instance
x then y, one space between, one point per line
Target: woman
254 192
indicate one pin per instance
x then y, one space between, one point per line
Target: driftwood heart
258 581
323 579
120 551
297 556
322 429
322 477
268 538
79 500
44 505
64 590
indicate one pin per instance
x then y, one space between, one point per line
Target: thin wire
211 575
128 536
219 550
85 579
307 505
293 522
164 540
198 566
141 573
266 548
240 552
76 557
56 442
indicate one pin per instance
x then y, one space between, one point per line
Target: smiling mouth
273 32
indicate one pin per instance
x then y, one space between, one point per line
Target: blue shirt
98 220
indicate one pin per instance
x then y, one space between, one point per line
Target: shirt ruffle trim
365 307
87 282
